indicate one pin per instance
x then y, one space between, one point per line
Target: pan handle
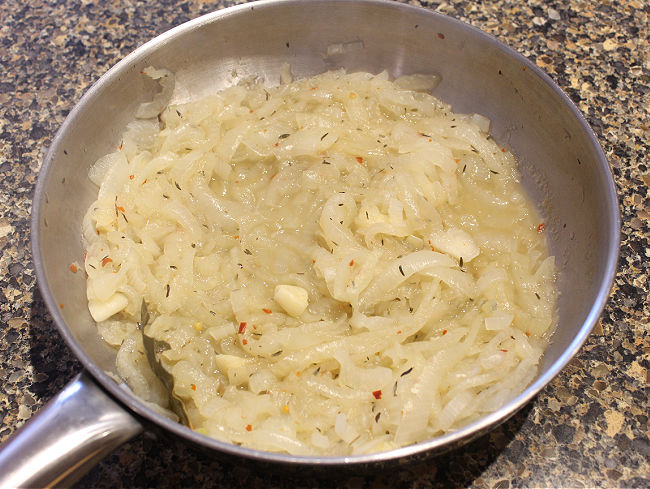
73 432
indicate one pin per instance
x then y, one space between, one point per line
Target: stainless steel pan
563 168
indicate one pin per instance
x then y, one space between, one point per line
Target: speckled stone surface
588 428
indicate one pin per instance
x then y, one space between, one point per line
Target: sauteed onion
339 264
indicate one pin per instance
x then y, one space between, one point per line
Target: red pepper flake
131 177
503 150
276 144
120 208
541 227
523 68
142 73
441 35
106 261
121 146
249 427
193 386
351 262
457 160
251 111
244 342
430 140
73 268
236 236
297 374
359 159
314 88
399 331
527 333
444 332
61 306
242 328
313 261
504 351
267 311
377 394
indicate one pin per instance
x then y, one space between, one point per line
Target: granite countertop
588 428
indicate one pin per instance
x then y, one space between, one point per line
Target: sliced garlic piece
457 243
499 320
292 299
102 310
225 362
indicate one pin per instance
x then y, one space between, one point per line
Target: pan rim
447 441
